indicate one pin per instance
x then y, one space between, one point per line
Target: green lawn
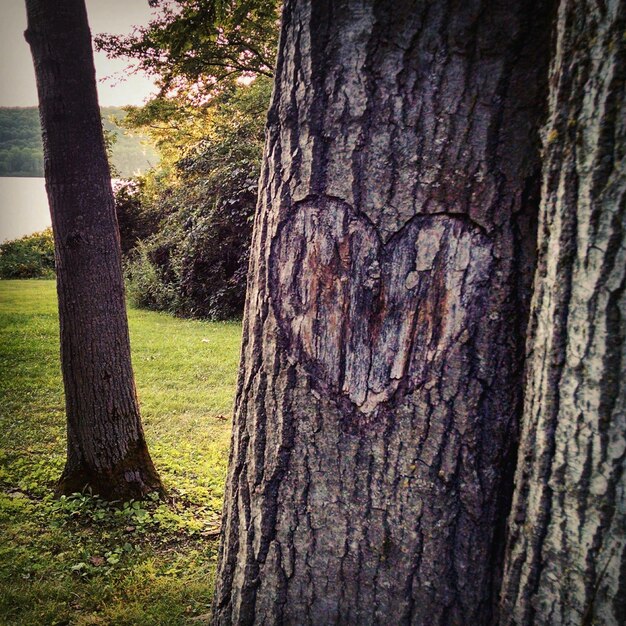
78 560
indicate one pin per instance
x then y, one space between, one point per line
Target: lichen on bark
566 553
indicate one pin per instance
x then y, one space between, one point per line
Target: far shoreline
19 176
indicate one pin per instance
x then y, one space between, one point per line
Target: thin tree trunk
566 558
379 391
106 447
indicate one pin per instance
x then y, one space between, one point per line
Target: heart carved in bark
368 318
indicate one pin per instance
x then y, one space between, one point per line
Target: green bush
31 256
192 259
150 284
136 222
195 265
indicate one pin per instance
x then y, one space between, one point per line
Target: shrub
147 284
136 222
194 263
31 256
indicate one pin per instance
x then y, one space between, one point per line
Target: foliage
31 256
21 149
150 283
81 560
186 225
135 220
195 262
192 45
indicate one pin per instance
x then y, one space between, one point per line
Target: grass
78 560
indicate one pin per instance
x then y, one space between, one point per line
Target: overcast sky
115 86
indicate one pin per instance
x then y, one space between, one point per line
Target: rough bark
106 448
566 560
379 391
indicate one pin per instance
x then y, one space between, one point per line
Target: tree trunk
379 391
566 559
106 448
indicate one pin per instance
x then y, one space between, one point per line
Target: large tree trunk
106 447
379 392
566 558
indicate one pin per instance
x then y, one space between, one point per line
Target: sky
115 86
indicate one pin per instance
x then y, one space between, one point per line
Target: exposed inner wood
370 320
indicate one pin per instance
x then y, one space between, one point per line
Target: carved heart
368 318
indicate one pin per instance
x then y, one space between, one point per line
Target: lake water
23 207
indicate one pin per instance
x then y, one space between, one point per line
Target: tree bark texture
106 447
380 383
566 560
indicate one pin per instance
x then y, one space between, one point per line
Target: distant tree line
21 150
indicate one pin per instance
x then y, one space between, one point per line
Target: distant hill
21 151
